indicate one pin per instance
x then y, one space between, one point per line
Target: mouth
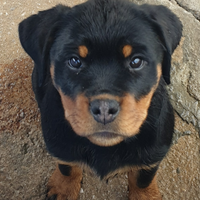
106 138
105 135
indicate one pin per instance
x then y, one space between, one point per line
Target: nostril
95 108
113 111
96 111
113 108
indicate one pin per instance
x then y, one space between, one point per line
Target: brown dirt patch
17 100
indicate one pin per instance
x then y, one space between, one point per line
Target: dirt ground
25 165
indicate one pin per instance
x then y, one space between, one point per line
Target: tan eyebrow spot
127 50
83 51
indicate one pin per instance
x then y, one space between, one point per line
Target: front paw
61 187
144 194
143 185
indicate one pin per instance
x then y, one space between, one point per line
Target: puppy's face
106 66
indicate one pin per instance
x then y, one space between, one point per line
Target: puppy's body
98 81
141 150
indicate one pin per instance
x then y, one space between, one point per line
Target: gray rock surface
185 88
192 6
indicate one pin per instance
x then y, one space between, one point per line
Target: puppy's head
105 58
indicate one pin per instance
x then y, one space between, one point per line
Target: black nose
104 111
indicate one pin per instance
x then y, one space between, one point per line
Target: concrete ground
25 165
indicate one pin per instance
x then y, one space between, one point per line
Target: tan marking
104 141
128 169
133 113
81 165
136 193
159 73
90 171
127 124
77 113
83 51
65 187
127 50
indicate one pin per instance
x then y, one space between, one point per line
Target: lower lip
105 134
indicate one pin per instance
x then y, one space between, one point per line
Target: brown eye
136 63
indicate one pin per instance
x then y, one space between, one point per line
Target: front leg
65 183
143 184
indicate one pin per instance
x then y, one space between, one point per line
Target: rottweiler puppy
99 78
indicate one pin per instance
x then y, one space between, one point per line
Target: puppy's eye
137 63
75 63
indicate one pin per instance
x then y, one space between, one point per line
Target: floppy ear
169 30
37 34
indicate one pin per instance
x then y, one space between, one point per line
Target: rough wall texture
24 163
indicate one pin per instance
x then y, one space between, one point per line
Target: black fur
65 169
53 36
145 177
